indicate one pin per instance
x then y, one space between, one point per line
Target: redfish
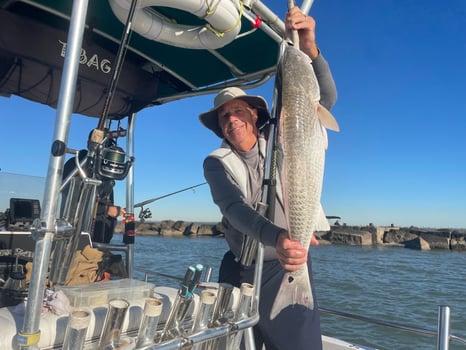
302 137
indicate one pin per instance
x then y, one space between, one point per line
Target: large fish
302 137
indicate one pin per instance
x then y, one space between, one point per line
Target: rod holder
111 331
204 315
173 326
242 312
250 245
76 329
208 274
222 303
150 320
220 314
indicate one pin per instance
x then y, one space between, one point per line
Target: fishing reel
110 161
145 214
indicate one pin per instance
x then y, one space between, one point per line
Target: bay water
392 284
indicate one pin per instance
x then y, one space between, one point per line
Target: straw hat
210 118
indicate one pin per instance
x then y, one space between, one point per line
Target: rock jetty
176 229
408 237
370 235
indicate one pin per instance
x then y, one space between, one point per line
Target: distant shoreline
408 237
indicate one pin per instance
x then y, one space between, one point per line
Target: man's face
238 123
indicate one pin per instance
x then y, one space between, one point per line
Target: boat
110 59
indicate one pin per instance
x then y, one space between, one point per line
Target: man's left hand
295 19
290 253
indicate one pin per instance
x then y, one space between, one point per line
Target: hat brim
210 118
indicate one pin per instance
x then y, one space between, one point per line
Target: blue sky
400 157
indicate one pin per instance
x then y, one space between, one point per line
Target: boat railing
205 335
442 332
188 339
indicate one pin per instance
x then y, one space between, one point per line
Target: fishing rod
122 49
146 213
99 149
141 204
106 160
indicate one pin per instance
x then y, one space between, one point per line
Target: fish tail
294 289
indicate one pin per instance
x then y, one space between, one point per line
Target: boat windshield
19 186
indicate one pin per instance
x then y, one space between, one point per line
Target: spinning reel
145 214
111 161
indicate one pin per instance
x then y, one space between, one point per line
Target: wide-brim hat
210 118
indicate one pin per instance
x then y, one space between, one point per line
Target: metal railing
442 333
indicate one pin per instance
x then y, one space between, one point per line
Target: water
392 284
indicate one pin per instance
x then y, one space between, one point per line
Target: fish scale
303 140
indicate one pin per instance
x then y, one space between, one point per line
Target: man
235 173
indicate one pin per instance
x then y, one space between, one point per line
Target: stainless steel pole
306 6
29 336
130 194
443 333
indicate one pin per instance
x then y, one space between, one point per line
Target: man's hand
295 19
115 211
290 253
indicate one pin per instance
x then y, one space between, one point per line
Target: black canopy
33 37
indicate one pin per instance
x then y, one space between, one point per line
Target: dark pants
103 229
295 328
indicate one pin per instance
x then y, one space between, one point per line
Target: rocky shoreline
408 237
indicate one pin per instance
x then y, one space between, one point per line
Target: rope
211 10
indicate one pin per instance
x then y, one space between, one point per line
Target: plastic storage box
99 293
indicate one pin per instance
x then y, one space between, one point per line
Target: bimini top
222 49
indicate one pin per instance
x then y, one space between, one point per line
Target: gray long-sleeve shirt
239 216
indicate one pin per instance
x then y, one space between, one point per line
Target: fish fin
322 221
327 119
294 289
